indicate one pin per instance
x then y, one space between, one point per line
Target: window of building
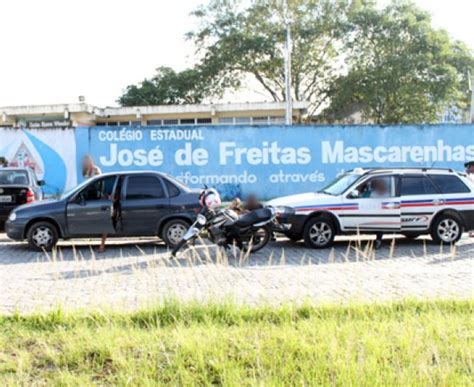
417 185
144 187
449 184
260 120
170 122
277 120
100 124
154 122
187 121
226 120
124 123
201 121
242 120
136 123
111 123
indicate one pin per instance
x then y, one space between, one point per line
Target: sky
53 51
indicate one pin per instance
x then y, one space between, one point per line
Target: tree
237 42
400 69
169 87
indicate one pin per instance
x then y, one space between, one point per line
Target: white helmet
210 198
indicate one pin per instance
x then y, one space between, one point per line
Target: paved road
137 273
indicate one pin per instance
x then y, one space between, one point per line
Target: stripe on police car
369 216
332 207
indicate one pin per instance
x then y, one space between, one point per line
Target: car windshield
340 184
14 177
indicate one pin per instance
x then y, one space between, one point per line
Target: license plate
5 199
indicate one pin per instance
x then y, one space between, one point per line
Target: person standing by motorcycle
252 203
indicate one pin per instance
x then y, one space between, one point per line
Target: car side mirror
41 182
353 194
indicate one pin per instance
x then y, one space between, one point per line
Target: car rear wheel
319 232
173 231
447 229
42 236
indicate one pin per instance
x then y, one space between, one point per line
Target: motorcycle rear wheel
259 240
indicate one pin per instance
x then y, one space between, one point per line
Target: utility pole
289 104
471 84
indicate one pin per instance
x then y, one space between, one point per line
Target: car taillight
30 196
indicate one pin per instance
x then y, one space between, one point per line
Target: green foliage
169 87
404 343
249 41
389 64
400 69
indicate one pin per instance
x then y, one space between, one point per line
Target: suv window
98 190
376 187
417 185
144 187
172 189
450 184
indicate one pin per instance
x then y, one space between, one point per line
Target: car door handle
391 206
438 202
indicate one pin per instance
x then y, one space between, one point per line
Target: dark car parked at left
17 186
117 204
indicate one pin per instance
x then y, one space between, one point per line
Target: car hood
39 207
304 199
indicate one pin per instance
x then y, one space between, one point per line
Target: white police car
409 201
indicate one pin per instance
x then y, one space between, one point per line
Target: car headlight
12 217
284 210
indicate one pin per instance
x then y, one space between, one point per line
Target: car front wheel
319 232
173 231
447 229
42 236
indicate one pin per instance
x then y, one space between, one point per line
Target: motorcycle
249 232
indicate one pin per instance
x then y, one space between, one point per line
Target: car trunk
13 195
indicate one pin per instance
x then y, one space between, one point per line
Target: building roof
59 109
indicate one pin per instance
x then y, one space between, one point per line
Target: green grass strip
393 344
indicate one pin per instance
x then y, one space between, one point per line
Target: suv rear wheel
42 236
173 231
319 232
447 229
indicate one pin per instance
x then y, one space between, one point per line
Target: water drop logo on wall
23 157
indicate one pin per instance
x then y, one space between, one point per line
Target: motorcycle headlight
201 219
12 217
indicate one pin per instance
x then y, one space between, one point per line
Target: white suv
407 201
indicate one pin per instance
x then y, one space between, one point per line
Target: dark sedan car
117 204
17 186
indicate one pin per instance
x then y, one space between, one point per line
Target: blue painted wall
272 160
